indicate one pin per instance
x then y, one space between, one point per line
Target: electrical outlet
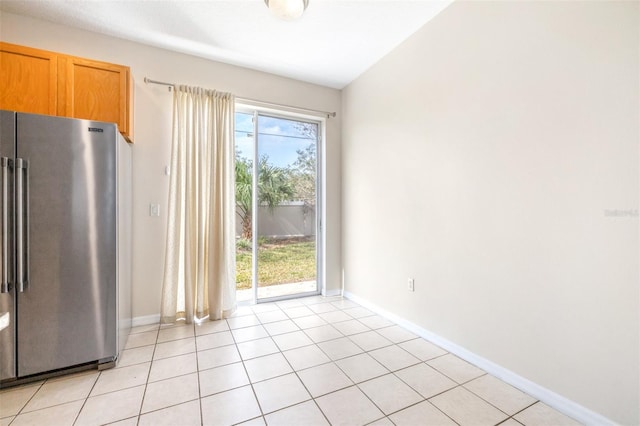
411 284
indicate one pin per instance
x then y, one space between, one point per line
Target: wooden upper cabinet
95 90
42 82
28 79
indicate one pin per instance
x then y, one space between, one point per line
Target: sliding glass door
277 190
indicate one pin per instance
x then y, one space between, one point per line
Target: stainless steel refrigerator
65 226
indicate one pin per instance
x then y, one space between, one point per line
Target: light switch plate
154 210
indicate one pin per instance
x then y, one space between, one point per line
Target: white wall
152 127
493 140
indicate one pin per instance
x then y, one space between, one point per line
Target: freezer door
67 311
7 290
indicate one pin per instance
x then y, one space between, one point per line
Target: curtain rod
327 113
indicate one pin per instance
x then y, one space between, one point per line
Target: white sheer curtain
199 271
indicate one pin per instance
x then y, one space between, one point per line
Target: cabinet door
95 90
28 79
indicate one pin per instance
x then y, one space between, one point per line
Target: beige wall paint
479 157
152 128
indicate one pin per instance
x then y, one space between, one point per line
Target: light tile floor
309 361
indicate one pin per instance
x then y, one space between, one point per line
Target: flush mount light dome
287 9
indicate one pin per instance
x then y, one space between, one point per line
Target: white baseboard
334 292
146 320
552 399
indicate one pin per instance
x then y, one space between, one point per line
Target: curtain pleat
199 270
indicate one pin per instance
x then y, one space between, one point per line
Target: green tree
274 187
303 170
243 194
303 175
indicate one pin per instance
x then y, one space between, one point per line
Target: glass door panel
286 207
276 205
245 148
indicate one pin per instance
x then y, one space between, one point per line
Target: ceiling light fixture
287 9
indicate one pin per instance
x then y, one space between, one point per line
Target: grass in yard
280 262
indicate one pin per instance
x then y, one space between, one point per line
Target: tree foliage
303 171
277 184
303 175
274 187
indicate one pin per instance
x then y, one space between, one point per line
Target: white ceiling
333 43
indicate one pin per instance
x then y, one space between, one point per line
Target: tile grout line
458 385
489 402
75 420
195 340
423 399
246 372
144 393
179 375
296 373
314 399
354 384
29 400
235 344
281 352
40 386
304 385
316 344
520 411
393 373
106 393
43 382
432 396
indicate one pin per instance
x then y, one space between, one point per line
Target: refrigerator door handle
22 224
4 171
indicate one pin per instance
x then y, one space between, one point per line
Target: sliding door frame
320 196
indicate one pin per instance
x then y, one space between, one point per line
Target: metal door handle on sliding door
4 181
22 223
